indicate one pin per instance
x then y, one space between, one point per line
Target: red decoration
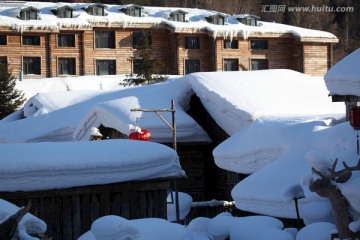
355 118
144 135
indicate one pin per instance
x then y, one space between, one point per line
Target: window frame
29 14
177 17
261 44
70 66
95 10
192 42
26 69
63 40
28 40
68 13
100 39
263 60
98 71
250 21
3 40
232 63
194 64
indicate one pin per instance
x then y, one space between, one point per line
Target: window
178 17
250 21
64 13
218 20
66 66
259 64
104 39
192 65
233 44
192 43
31 40
28 15
231 64
139 39
3 61
134 11
258 44
32 65
96 11
3 40
66 40
105 67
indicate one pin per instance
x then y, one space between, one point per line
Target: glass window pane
192 65
3 40
105 67
31 65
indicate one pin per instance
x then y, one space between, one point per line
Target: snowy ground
273 132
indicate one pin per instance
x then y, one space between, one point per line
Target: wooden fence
70 212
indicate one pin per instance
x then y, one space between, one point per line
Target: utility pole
172 126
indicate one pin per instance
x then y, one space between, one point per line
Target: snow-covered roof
60 116
38 166
117 113
287 146
196 21
235 99
344 77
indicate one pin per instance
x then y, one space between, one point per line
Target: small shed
71 184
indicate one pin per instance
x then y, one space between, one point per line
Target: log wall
69 213
284 51
316 58
280 54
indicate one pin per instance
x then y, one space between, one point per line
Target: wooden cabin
64 45
71 184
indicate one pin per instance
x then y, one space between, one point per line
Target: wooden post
173 128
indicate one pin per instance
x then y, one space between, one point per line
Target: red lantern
355 118
143 135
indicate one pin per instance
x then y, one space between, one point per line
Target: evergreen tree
147 68
10 98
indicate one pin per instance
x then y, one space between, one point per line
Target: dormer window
29 13
178 16
217 19
250 20
96 9
133 10
63 12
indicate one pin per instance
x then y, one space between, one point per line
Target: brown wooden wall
205 54
280 53
316 58
57 52
284 51
14 51
69 213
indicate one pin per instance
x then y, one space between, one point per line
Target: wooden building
97 39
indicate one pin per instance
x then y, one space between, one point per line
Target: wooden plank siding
316 58
284 51
205 53
280 53
70 212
